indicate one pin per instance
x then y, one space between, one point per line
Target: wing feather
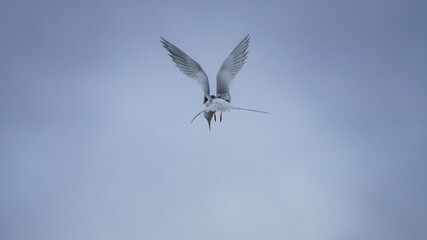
230 67
187 66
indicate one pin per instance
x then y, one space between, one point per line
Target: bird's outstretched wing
229 69
188 66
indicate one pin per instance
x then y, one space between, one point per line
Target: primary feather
229 69
188 66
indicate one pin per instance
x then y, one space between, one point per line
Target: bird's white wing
229 69
188 66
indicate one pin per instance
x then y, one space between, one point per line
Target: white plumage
226 74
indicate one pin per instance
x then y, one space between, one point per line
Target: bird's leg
215 116
220 117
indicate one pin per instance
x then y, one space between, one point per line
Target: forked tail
197 115
246 109
232 108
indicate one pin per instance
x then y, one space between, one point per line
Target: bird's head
205 100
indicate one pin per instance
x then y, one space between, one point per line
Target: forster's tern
226 74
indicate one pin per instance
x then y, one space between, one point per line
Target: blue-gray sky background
96 140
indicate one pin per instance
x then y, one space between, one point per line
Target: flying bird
226 74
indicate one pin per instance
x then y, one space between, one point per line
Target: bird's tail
246 109
233 108
197 115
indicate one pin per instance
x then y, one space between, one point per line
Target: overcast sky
96 140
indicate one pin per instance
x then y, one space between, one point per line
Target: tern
226 74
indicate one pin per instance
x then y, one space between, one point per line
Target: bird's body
218 105
226 74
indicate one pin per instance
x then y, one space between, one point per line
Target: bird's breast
218 105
